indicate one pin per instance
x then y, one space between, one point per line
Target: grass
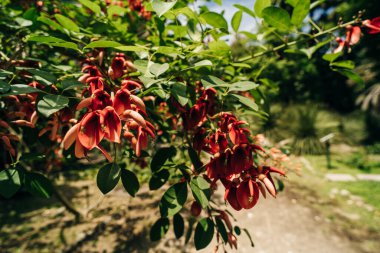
357 214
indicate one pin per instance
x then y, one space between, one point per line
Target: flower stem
313 36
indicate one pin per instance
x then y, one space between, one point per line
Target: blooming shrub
148 84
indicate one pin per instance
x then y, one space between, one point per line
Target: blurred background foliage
307 99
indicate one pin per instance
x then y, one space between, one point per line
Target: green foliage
130 182
159 229
204 233
201 190
173 199
10 182
277 18
108 177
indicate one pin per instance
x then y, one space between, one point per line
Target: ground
311 215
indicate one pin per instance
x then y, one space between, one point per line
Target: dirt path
285 225
121 224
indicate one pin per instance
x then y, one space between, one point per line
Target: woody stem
292 43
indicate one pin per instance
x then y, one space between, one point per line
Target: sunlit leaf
260 5
278 18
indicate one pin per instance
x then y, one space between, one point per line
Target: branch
275 49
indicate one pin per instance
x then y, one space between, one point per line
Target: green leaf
4 87
103 44
51 104
38 185
179 225
201 190
311 50
194 158
178 90
222 229
115 10
23 22
17 89
203 63
130 182
9 182
331 57
237 230
243 86
67 23
53 41
343 64
50 23
300 12
245 9
247 101
173 199
189 230
293 3
159 229
131 48
260 5
161 7
278 18
250 35
214 19
43 77
171 51
108 177
158 179
158 69
70 84
212 81
161 156
219 47
91 5
204 233
236 20
352 76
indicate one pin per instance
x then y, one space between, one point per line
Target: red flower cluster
373 25
353 34
136 5
233 163
197 114
232 153
106 116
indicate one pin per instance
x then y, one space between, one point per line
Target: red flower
95 83
352 37
121 102
353 34
112 123
199 140
372 25
247 194
236 133
117 66
130 85
219 165
194 116
218 142
91 130
231 196
241 158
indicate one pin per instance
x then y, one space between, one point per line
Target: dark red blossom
373 25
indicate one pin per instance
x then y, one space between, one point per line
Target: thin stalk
282 46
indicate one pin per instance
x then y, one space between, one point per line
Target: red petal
90 132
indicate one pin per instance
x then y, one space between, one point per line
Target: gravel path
283 225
